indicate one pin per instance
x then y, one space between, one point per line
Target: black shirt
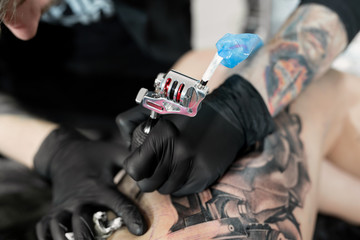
94 58
89 61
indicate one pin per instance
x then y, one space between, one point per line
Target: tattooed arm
300 52
20 133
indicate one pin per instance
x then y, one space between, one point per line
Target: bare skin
345 151
23 23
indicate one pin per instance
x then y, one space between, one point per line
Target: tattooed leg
270 193
299 53
258 196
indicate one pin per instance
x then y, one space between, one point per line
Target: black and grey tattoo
257 197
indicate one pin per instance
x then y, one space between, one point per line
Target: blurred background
264 19
210 24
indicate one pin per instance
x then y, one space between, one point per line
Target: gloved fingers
150 185
158 178
180 167
54 227
194 184
178 177
129 120
189 189
202 173
43 229
165 179
127 210
157 148
60 224
171 174
141 163
82 221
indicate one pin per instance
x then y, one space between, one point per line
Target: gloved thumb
129 120
142 161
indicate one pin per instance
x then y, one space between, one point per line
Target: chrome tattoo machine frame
175 93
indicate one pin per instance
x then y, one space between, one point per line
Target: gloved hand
81 172
185 155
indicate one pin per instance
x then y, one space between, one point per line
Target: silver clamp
103 227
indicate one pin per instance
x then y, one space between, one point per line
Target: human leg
274 189
339 193
346 150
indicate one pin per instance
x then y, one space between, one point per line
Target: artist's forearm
21 136
20 133
300 52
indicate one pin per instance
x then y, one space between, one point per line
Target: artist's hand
128 121
81 172
185 155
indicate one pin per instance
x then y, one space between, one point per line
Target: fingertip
41 230
187 189
131 168
139 164
168 189
137 225
150 185
82 229
59 225
179 194
129 213
82 220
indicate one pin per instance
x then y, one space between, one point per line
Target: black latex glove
81 172
184 155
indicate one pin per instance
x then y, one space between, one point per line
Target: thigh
269 193
339 193
266 194
345 151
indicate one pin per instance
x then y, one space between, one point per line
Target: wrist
242 105
24 133
55 141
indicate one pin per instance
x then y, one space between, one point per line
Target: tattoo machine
176 93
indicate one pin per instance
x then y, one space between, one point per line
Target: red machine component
166 87
181 87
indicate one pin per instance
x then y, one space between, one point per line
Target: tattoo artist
181 155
